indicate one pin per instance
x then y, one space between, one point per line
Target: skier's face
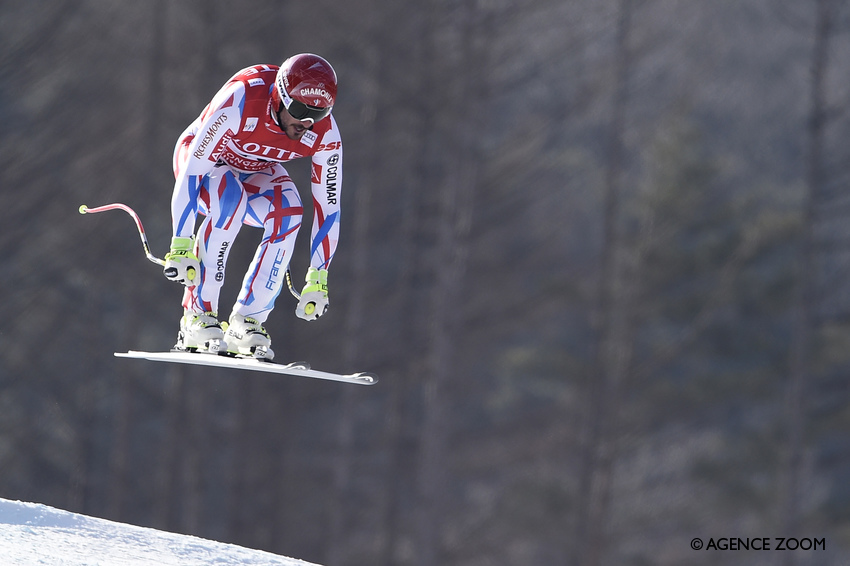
293 127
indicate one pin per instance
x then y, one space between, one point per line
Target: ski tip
366 377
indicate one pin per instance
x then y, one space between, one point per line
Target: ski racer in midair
228 167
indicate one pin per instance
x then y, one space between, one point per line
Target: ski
300 369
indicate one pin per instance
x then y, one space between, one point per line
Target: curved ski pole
118 206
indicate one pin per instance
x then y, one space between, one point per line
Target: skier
228 167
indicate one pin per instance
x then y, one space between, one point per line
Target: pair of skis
300 369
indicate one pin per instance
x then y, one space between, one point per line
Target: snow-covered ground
32 534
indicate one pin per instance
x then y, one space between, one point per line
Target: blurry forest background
597 250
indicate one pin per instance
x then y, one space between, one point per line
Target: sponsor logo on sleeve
209 136
250 125
309 138
337 145
331 178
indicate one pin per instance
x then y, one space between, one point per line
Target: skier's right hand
181 263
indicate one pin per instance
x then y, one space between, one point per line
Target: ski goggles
301 111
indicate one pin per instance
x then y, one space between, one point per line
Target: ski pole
288 278
118 206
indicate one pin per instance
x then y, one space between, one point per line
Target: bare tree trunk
402 431
164 516
355 320
118 462
801 346
196 402
454 227
165 472
454 250
78 492
398 421
193 452
235 479
155 80
612 320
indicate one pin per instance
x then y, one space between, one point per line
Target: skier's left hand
314 296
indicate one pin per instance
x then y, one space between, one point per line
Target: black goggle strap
301 111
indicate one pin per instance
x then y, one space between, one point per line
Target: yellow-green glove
314 296
181 263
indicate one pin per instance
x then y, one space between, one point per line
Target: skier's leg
273 204
222 200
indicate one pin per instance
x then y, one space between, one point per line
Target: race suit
227 166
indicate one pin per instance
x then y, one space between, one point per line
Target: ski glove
181 263
314 296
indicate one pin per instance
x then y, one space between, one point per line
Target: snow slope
32 534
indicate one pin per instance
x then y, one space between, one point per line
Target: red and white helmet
306 87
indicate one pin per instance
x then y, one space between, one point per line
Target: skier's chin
295 132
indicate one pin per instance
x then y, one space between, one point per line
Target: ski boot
201 332
245 336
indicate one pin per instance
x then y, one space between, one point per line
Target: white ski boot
245 336
201 332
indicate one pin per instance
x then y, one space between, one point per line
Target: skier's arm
197 151
326 182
